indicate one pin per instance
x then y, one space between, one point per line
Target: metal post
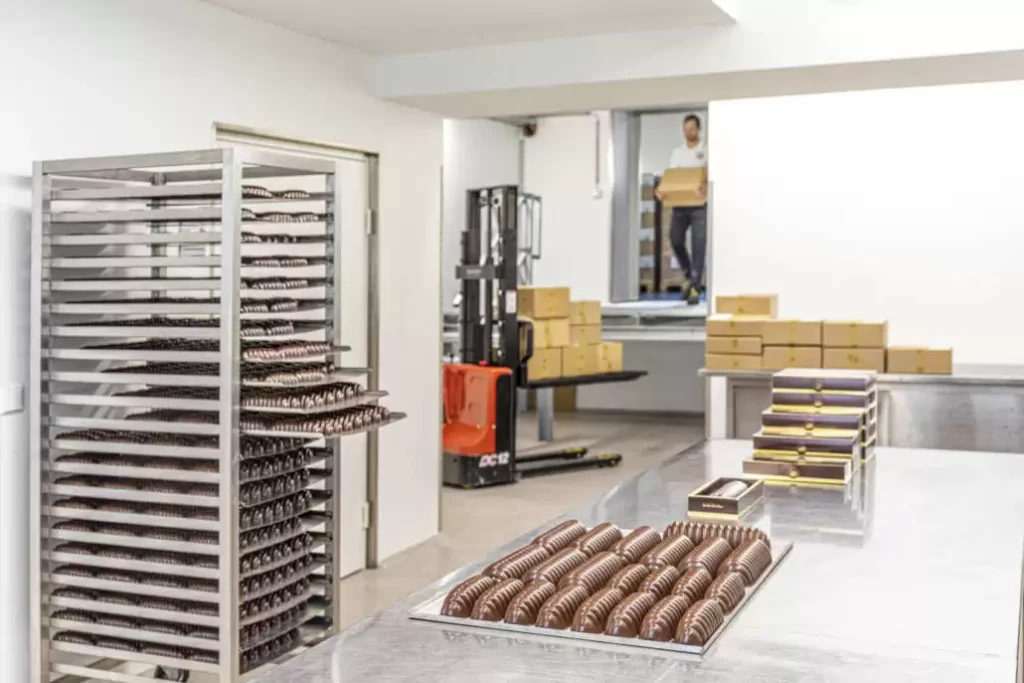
230 268
372 355
332 207
546 414
39 662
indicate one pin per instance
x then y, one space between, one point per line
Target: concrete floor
474 522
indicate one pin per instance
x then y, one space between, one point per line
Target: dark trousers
683 219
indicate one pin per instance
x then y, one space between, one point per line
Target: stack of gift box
820 426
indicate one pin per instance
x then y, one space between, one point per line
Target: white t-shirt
689 157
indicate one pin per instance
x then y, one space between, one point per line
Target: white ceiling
381 27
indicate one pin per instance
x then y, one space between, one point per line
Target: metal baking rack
168 541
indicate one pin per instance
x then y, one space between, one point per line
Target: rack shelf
167 290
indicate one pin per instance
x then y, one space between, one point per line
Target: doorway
353 252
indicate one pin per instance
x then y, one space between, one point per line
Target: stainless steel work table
980 407
913 574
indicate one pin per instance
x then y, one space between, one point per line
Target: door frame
228 132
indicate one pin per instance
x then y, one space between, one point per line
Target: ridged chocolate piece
671 551
562 536
559 609
600 538
629 578
460 600
637 544
558 566
628 615
698 532
492 605
660 581
750 559
728 589
524 607
594 573
592 616
701 620
710 554
517 563
693 584
662 619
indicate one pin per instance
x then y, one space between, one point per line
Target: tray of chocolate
676 590
820 380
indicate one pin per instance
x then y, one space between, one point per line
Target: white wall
898 204
477 153
576 242
109 77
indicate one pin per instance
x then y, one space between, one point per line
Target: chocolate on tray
562 536
460 600
594 573
693 584
600 538
660 581
524 607
728 589
629 578
560 564
628 615
592 616
492 605
516 563
662 619
637 543
558 611
711 553
671 551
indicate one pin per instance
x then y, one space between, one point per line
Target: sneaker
692 295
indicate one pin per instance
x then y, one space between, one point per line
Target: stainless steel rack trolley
187 399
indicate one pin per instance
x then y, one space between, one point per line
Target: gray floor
474 522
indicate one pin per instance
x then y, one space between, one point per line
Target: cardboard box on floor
919 360
585 312
782 357
579 360
542 303
550 334
748 304
584 335
681 187
545 364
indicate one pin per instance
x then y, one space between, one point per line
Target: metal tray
430 610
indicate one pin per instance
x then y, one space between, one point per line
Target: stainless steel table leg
546 414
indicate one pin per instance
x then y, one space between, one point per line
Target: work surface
912 574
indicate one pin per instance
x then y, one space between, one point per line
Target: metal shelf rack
169 540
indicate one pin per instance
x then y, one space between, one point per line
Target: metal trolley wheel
179 675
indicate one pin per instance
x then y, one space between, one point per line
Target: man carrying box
692 154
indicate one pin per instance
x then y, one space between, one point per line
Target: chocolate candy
750 559
600 538
625 620
492 605
660 581
524 607
594 573
700 622
558 566
637 544
710 554
701 531
516 563
671 551
662 619
557 612
693 584
728 589
562 536
592 615
460 600
629 578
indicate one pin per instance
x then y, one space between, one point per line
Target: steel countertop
964 374
911 574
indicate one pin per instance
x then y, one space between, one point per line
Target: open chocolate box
717 498
675 590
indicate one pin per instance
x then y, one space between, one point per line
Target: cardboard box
854 335
919 360
542 303
545 364
855 359
585 312
748 304
782 357
584 335
716 361
748 346
647 219
579 360
646 248
791 333
704 504
735 325
681 187
609 357
549 334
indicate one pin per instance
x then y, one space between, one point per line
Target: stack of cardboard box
735 332
822 423
566 335
855 345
